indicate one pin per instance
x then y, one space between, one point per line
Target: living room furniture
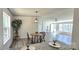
28 41
36 37
43 38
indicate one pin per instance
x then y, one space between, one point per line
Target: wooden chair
28 39
36 32
43 38
28 36
36 39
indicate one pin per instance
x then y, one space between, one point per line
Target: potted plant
16 24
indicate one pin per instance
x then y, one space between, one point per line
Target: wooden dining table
36 37
36 34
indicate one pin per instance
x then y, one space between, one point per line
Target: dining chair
28 41
34 39
28 37
36 32
43 37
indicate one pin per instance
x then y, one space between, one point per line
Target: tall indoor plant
16 24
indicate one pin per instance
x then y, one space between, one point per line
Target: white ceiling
56 12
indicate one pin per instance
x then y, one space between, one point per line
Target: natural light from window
6 27
62 30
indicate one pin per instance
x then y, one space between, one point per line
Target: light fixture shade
36 20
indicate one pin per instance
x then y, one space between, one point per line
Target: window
53 29
67 27
6 27
62 31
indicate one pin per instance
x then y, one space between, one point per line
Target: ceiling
56 12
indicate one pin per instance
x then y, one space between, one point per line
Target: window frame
6 35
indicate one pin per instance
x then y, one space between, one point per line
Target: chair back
28 36
36 32
43 33
28 39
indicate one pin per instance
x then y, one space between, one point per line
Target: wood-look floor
18 44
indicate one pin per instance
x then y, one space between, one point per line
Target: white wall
44 22
1 28
28 25
7 45
75 33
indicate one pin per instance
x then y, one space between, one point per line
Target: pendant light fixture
36 19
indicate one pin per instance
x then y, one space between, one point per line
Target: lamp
36 19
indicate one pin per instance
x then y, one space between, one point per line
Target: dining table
36 34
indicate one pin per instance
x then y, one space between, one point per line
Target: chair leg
40 40
32 41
